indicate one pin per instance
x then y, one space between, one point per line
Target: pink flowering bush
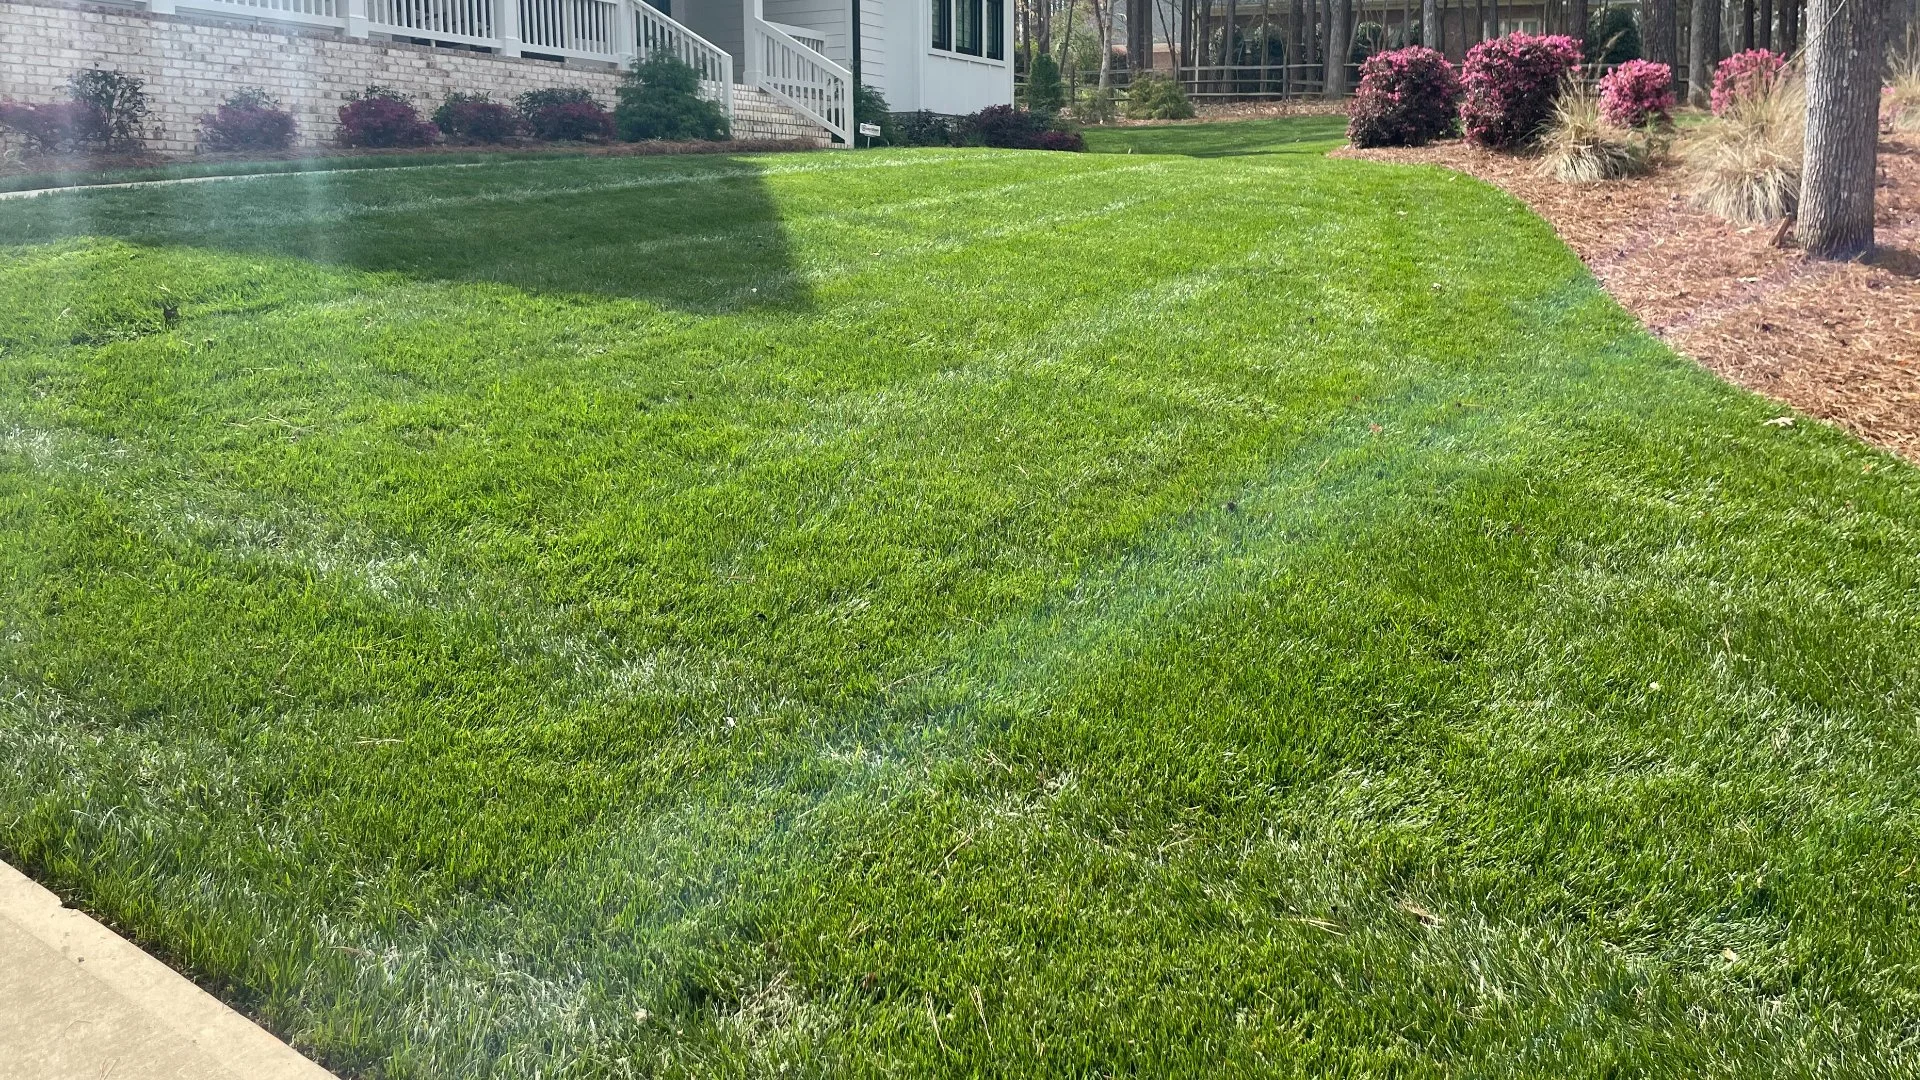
1743 75
1407 97
1638 93
1510 83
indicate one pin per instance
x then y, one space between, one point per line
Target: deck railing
809 83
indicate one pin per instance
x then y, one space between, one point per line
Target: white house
780 68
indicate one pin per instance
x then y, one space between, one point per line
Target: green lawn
945 612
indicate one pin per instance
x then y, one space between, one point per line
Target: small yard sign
871 131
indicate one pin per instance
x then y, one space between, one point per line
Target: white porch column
357 18
623 31
506 26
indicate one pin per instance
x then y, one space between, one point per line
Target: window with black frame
996 29
943 24
966 28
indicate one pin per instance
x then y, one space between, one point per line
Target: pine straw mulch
1839 341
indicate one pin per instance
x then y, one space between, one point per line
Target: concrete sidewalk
78 1001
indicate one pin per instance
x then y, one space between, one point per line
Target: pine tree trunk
1845 56
1577 20
1764 38
1430 35
1339 43
1702 40
1661 32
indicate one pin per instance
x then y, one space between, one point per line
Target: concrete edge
163 994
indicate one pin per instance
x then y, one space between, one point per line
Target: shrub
1157 97
249 119
571 121
382 117
1096 106
1407 97
1638 93
51 126
660 99
1613 37
1511 82
870 107
925 128
1044 92
117 106
1580 145
1744 75
1903 86
475 118
1056 139
1744 164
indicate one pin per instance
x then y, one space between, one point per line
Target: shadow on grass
700 235
1226 138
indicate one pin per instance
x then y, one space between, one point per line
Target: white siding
722 22
829 17
873 46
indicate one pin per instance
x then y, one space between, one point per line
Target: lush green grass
944 612
1292 135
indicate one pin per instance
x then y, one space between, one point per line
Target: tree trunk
1764 31
1430 35
1661 32
1577 20
1339 43
1139 35
1845 56
1702 43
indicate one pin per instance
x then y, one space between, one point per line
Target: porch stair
758 114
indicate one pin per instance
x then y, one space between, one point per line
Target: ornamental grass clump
1902 101
1579 144
1510 86
1407 97
1743 75
1637 94
1744 164
249 119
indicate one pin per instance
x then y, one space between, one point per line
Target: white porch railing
810 84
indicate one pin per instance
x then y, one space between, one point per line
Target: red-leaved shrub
249 119
49 127
382 120
572 121
1636 94
1407 97
1012 128
1743 75
1511 83
476 119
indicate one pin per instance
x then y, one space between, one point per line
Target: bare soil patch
1839 341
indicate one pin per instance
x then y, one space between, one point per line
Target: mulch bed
1839 341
